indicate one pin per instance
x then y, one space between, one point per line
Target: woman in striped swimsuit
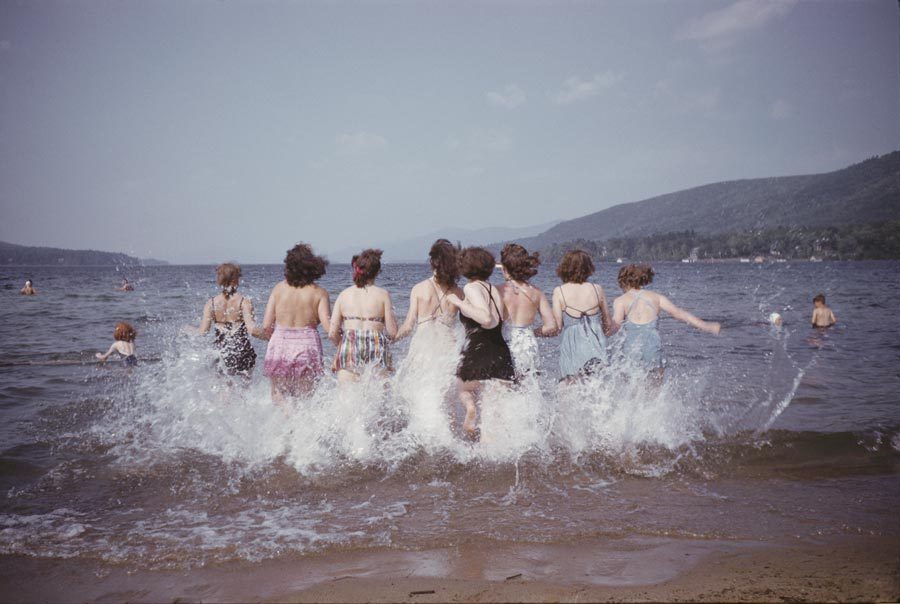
363 322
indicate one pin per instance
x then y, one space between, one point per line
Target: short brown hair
444 256
366 266
635 276
520 265
819 298
476 263
228 274
302 266
575 267
125 332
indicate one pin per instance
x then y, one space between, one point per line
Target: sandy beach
626 570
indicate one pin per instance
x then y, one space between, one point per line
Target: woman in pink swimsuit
296 307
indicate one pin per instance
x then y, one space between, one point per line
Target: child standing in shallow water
124 344
637 311
822 315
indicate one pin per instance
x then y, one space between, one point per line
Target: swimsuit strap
490 290
373 319
440 309
638 297
524 293
583 313
227 323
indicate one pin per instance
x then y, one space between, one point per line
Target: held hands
453 299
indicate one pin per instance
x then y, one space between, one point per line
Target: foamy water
762 433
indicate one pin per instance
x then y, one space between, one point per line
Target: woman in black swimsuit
232 317
486 355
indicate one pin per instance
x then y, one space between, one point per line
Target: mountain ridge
868 191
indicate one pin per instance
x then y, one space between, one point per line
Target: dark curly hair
635 276
575 267
366 266
520 265
302 266
476 263
444 256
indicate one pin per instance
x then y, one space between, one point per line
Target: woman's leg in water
468 395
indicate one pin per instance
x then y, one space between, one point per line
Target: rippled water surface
761 433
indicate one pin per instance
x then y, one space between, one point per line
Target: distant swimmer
776 319
124 344
126 286
486 355
524 302
363 322
822 315
583 346
28 290
637 312
296 307
231 316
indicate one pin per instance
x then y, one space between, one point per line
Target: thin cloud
781 110
723 27
509 98
575 89
360 141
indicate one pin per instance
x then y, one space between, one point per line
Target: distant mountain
867 192
22 255
416 249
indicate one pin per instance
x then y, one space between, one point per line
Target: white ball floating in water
775 319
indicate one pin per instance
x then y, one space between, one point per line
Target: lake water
760 434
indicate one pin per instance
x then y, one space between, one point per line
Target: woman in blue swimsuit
637 312
582 349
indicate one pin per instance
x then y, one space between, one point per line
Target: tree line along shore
878 241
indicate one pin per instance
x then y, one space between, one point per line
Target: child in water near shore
28 290
124 344
822 315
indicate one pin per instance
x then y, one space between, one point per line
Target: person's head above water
518 263
819 300
366 266
302 267
228 277
125 332
28 283
476 263
444 258
575 267
635 276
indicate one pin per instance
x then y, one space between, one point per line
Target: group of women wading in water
362 325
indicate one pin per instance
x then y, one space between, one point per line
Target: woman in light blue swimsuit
637 311
582 349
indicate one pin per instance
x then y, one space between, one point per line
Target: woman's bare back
523 301
297 306
431 301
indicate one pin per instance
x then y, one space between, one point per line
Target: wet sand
634 569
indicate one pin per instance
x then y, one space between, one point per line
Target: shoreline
628 569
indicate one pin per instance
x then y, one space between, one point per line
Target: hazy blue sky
198 131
